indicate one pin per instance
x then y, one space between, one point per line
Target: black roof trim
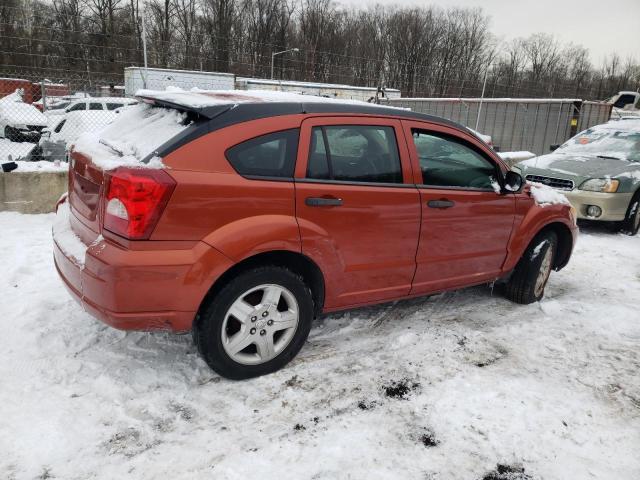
220 116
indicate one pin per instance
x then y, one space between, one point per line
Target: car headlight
606 185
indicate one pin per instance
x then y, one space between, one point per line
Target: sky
603 26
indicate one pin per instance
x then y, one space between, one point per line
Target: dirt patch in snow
507 472
400 389
428 439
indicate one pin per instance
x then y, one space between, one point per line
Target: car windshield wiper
107 144
606 157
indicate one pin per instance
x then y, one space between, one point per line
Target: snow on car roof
104 99
16 112
629 124
197 98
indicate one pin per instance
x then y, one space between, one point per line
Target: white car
93 104
625 104
20 121
54 142
59 102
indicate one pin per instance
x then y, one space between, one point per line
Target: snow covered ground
446 387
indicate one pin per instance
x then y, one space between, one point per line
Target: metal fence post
43 94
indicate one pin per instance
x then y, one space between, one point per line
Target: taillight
134 200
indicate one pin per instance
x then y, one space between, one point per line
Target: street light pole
144 47
273 56
484 86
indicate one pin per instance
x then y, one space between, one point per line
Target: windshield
605 144
58 106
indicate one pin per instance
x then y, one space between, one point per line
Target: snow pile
545 195
67 240
42 166
440 388
136 134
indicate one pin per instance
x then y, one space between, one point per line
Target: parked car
19 121
59 102
625 104
54 141
93 104
599 172
250 218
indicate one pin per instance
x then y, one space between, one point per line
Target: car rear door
466 224
357 207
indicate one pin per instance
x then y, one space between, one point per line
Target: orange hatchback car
241 216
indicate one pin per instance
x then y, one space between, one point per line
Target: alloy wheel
545 271
260 324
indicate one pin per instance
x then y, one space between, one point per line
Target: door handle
323 202
444 203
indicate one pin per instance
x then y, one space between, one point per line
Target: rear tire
631 223
529 279
255 324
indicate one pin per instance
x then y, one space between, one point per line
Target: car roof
235 106
620 125
104 99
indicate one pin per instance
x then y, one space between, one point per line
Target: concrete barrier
31 192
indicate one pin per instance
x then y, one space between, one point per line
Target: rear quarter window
271 155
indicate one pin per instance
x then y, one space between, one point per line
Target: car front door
466 223
357 207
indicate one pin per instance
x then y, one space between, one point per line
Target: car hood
22 114
581 167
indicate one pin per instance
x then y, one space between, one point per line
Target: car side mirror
554 147
513 181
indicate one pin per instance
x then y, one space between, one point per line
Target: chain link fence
516 124
40 118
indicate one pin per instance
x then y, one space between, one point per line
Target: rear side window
77 107
354 153
60 125
447 162
272 155
113 106
95 106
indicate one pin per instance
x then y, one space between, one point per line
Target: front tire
631 223
529 279
255 324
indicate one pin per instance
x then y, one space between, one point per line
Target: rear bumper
139 289
614 205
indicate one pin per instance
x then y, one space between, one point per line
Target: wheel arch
565 243
294 261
